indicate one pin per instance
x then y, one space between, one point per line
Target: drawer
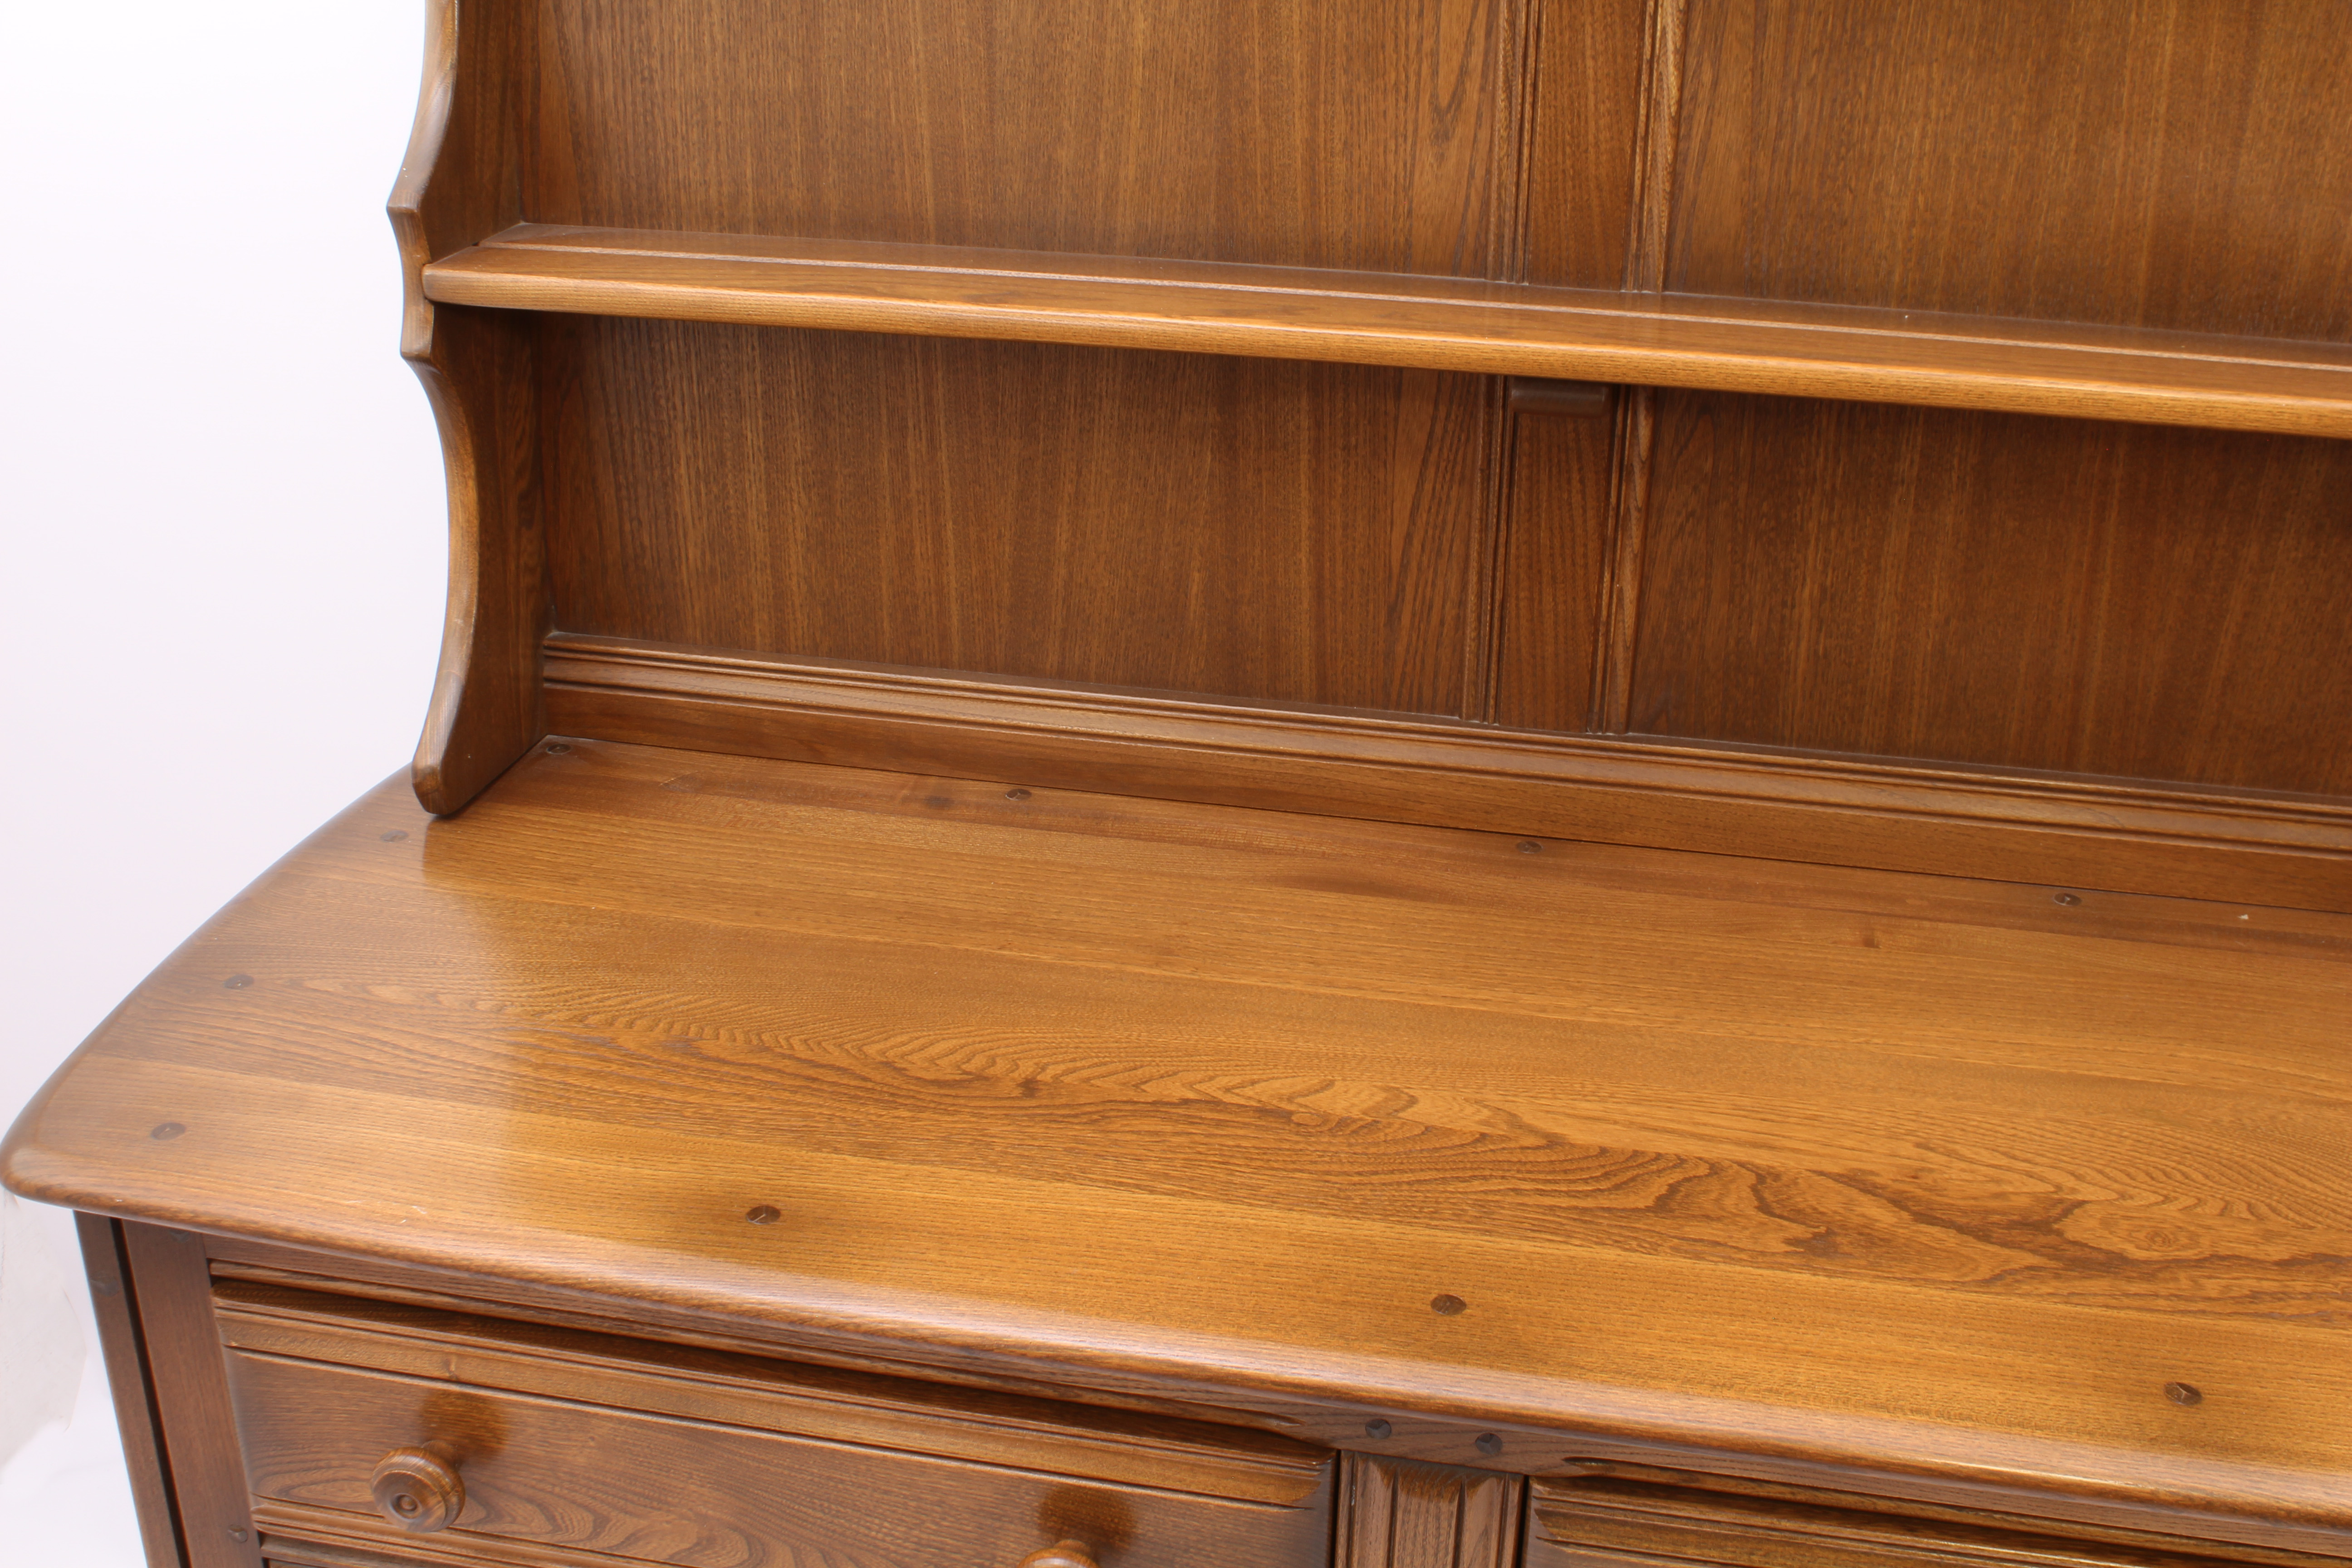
555 1447
1613 1520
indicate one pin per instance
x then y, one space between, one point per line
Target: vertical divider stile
1522 46
1636 425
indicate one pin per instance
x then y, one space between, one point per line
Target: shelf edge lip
1416 288
1459 324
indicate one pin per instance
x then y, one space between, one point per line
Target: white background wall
220 498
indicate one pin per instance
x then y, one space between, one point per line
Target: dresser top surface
1978 1179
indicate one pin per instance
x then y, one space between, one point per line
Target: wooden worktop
1977 1180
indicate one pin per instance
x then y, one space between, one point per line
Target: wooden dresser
1311 783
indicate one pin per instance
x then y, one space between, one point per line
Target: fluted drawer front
442 1438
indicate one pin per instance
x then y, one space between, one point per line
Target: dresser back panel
2115 599
1306 132
2142 162
1263 530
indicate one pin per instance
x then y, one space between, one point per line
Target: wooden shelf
1873 355
1936 1174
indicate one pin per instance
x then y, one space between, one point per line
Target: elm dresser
1256 784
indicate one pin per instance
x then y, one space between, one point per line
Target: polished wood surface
1718 923
1769 1118
2098 599
1891 356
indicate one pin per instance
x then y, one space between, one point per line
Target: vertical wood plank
1654 147
1586 91
1400 1514
127 1375
1553 566
174 1285
1629 528
1583 125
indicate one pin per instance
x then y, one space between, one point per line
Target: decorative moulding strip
2058 830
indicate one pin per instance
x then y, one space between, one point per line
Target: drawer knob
418 1488
1063 1554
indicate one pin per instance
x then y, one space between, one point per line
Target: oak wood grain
1985 589
957 1039
2058 830
571 1476
1258 530
1814 351
2179 163
1400 1514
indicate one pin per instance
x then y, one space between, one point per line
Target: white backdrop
220 496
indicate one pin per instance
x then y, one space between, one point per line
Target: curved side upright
459 182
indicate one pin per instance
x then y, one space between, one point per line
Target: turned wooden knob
1062 1554
418 1488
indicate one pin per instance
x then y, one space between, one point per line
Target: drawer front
1611 1523
548 1480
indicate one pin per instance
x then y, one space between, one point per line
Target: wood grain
1293 132
2178 164
1400 1514
1813 351
1586 97
1442 1441
206 1477
2060 831
115 1305
574 1476
1247 528
1990 590
1553 569
1767 1119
